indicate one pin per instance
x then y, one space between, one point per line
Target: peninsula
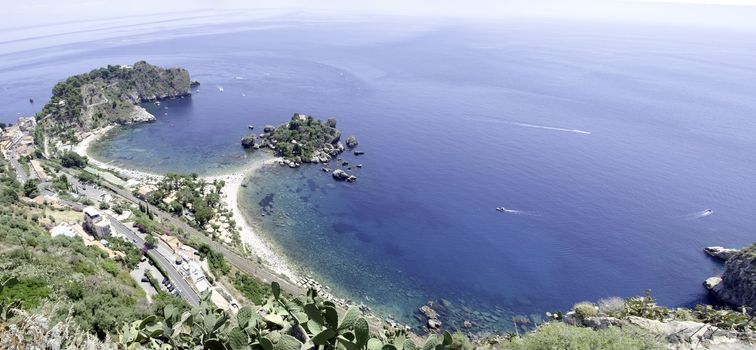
106 96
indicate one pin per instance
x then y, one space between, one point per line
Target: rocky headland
737 285
109 95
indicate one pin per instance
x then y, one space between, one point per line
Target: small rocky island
304 139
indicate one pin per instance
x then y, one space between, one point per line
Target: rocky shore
737 284
305 139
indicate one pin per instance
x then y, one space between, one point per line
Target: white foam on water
527 125
698 214
553 128
515 211
703 213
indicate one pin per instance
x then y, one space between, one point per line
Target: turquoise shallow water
605 142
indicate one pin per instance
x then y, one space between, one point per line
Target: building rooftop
91 212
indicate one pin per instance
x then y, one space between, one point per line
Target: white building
95 223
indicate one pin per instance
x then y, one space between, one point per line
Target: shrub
252 288
110 266
86 177
215 260
460 342
645 307
585 309
557 335
30 291
612 306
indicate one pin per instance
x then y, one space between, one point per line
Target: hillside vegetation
109 95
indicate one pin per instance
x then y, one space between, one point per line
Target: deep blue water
605 140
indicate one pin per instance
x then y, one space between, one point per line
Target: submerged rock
428 311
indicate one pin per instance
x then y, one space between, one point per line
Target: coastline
273 260
82 149
253 241
268 254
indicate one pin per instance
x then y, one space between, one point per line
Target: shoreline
267 252
258 246
82 149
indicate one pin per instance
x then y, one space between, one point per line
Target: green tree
30 188
151 241
73 160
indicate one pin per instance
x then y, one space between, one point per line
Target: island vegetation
108 95
303 139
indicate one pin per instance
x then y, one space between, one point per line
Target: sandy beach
82 147
230 193
258 246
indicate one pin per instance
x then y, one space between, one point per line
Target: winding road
185 290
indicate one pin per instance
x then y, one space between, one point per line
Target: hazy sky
705 12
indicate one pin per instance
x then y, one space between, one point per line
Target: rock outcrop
140 115
721 252
351 141
737 285
342 175
150 83
249 141
692 335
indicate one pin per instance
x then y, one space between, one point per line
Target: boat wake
699 214
527 125
552 128
514 211
702 214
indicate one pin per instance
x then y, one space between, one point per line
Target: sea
614 152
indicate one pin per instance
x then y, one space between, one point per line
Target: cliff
109 95
737 286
